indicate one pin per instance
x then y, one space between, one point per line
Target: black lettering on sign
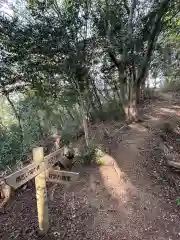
23 176
19 178
53 160
64 178
50 175
31 171
38 167
68 178
59 177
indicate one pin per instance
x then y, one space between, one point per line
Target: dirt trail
134 204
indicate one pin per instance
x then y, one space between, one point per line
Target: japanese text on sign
26 174
52 158
59 177
63 177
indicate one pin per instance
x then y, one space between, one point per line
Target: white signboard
62 177
17 179
52 158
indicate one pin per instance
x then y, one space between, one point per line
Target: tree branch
10 89
175 14
133 6
155 30
114 59
126 6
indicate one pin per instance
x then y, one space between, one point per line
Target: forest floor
132 199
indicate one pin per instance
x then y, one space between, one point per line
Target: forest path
128 200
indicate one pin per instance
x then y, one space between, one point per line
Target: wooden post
41 193
84 122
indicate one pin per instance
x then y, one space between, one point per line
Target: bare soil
132 196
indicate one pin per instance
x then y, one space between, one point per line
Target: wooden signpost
54 157
17 179
62 177
41 170
41 192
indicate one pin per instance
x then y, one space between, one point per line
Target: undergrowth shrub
10 150
111 110
92 154
71 131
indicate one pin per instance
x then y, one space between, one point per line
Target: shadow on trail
107 203
142 196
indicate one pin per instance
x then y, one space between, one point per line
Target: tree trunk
121 80
69 112
18 119
131 108
96 94
84 122
85 126
143 90
155 83
106 94
138 93
40 127
133 111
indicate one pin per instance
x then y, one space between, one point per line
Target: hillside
131 196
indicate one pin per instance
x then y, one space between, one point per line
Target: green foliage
165 62
71 131
88 154
99 156
178 200
10 150
58 54
111 110
92 154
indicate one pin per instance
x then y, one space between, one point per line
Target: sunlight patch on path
138 127
175 106
116 182
167 110
151 118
